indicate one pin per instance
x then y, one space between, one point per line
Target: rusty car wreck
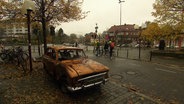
73 69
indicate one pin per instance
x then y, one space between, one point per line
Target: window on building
126 33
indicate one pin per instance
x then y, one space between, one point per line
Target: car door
46 59
52 62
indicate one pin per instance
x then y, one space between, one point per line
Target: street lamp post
96 30
27 8
120 2
140 28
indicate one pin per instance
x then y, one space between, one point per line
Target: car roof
61 47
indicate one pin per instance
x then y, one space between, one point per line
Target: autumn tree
47 12
55 11
73 38
65 38
81 39
152 32
169 11
60 32
169 14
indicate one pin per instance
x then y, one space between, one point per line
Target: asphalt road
163 81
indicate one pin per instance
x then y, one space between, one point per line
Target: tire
3 56
63 88
63 84
46 70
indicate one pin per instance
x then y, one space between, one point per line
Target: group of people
108 47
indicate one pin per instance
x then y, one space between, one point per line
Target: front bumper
72 89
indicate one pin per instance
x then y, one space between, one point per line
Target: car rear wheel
63 88
63 84
47 74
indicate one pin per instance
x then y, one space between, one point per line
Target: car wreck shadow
90 95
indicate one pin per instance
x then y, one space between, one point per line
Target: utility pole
120 2
96 31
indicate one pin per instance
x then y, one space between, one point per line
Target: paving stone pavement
115 93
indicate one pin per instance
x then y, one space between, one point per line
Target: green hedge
170 53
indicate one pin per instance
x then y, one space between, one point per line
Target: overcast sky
106 13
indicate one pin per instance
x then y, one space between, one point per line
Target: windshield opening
69 54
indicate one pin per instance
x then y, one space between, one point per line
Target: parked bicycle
15 56
98 51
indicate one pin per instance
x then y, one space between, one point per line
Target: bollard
127 53
150 55
117 52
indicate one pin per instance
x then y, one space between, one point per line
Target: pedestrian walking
161 44
112 44
106 47
97 48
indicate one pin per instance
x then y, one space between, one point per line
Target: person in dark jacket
106 47
112 44
162 45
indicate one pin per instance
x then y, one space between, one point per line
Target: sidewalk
145 56
170 61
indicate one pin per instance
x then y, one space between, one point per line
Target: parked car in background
156 46
73 69
172 46
124 45
137 45
176 46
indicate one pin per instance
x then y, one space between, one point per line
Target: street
159 80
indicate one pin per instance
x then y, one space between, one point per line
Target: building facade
14 28
123 34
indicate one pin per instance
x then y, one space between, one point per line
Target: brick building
123 34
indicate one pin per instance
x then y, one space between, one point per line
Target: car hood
84 67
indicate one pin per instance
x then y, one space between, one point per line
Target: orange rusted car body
74 69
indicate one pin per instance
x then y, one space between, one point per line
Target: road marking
134 64
165 70
174 67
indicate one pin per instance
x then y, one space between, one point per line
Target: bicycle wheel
94 50
5 57
25 56
101 52
23 62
